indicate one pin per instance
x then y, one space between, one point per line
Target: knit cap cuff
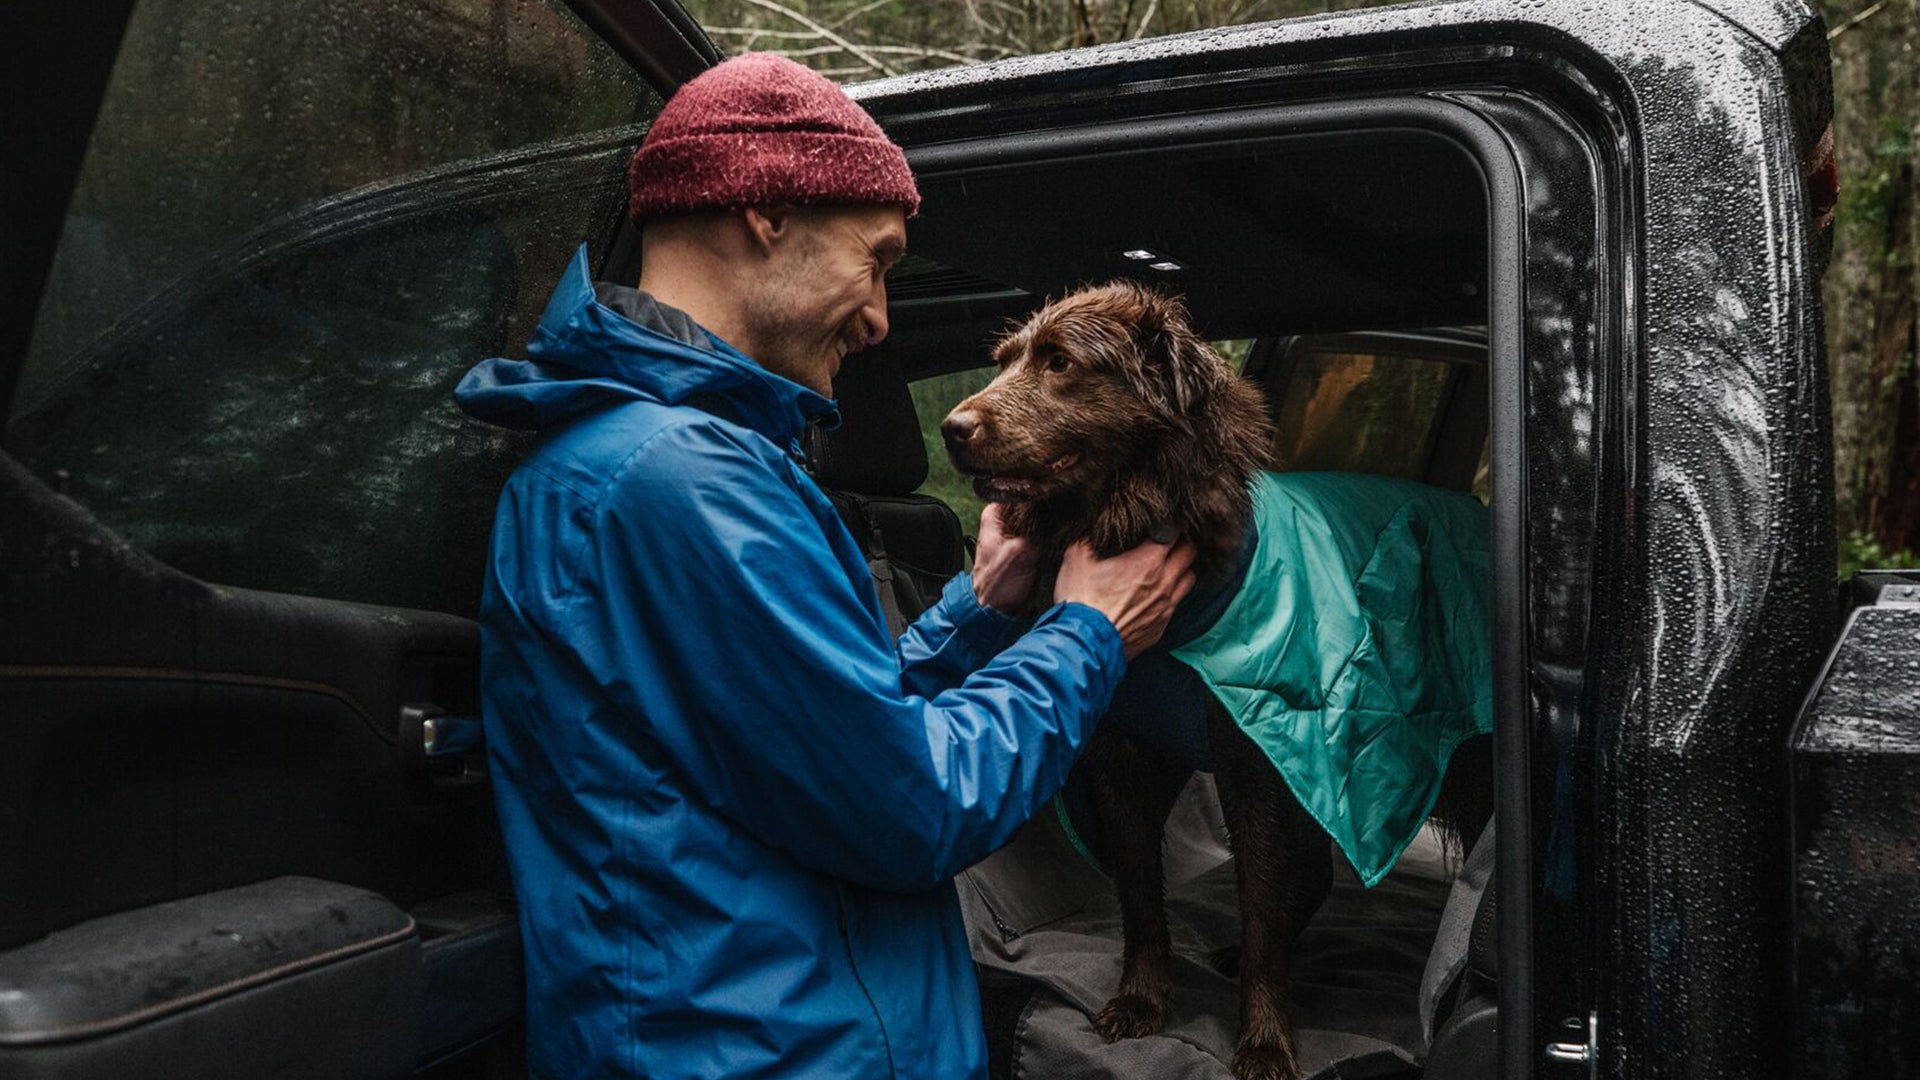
768 168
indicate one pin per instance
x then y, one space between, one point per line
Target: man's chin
817 377
822 383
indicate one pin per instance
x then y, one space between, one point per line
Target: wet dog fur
1111 420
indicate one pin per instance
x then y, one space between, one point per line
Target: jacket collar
579 332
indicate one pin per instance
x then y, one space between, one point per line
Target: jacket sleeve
955 637
716 618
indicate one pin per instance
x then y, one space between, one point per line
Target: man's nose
960 427
875 316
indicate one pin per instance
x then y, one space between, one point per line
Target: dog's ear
1176 366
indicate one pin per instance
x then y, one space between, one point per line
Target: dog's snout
960 427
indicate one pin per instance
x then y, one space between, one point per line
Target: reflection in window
271 278
223 116
1350 412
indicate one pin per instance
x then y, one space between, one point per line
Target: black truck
1567 251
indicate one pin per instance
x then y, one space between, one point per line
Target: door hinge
1581 1053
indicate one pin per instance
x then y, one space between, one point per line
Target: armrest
240 982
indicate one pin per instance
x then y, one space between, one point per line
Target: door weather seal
655 37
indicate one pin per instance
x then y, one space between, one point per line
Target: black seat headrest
877 449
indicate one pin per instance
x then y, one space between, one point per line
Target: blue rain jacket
732 806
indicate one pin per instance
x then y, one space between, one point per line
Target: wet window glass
296 227
1357 412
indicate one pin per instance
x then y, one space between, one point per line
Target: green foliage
933 399
1859 551
1234 351
1869 201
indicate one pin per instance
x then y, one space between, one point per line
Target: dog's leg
1285 866
1133 789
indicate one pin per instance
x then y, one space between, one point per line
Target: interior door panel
169 740
252 388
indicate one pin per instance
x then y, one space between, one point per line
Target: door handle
441 735
439 750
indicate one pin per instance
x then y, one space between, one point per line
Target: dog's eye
1058 363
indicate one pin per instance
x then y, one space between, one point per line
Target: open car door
244 829
1585 191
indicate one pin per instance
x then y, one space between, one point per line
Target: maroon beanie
761 130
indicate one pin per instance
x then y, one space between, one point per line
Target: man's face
825 291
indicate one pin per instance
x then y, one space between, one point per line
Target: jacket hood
585 356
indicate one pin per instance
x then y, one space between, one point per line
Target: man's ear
768 226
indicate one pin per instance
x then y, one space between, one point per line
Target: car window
295 229
933 399
1356 412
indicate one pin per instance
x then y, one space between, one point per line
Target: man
731 807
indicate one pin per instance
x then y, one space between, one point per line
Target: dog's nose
959 427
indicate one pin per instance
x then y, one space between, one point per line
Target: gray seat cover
1036 909
1450 943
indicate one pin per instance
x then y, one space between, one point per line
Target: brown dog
1112 421
1111 418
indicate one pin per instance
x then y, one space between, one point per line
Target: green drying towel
1359 652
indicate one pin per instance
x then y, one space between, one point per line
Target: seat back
870 467
1459 995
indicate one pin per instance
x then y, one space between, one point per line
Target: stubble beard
783 335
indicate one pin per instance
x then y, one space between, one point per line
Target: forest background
1872 290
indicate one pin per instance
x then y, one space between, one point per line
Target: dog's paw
1130 1016
1265 1063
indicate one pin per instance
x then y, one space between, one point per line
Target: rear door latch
1581 1053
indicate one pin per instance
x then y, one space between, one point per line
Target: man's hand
1003 566
1136 589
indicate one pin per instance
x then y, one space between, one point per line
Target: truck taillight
1823 182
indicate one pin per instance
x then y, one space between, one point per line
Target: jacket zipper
853 965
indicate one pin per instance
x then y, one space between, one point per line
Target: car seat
1459 994
869 467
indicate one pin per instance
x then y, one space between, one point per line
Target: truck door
243 827
1658 458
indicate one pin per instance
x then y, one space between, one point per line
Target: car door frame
1591 136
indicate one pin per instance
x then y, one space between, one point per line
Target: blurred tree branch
801 18
886 37
1856 20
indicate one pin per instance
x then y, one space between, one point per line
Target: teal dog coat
1357 651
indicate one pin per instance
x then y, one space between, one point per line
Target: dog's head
1081 384
1109 418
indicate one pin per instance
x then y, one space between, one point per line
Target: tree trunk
1871 290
